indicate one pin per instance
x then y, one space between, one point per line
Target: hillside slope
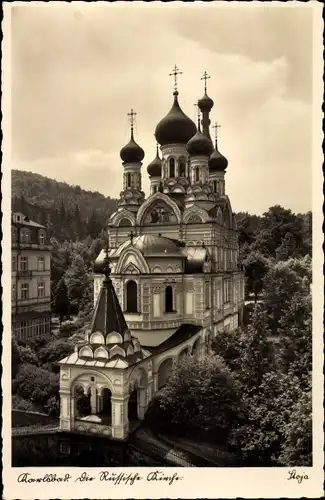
68 212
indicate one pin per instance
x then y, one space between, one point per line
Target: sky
77 69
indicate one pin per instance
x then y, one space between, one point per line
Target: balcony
30 273
30 246
26 274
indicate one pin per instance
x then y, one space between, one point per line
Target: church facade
169 282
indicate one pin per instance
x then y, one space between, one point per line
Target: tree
259 438
275 224
287 248
294 353
61 300
36 384
281 283
55 350
200 399
79 283
27 355
256 267
255 351
296 450
94 227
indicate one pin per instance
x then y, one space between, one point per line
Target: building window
24 236
24 291
40 289
197 174
24 263
13 234
182 167
41 238
128 180
215 186
13 291
172 167
132 297
227 292
40 264
169 299
14 263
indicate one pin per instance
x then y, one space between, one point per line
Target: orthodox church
167 284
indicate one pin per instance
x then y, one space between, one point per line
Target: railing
32 430
25 274
28 273
27 246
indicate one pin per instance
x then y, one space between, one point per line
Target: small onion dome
205 103
199 145
217 162
154 168
175 127
132 152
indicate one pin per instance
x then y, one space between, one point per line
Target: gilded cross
205 77
132 116
216 126
175 73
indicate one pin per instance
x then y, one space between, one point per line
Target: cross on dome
205 77
215 127
132 116
175 73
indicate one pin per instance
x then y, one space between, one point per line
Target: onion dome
217 162
132 152
154 168
199 144
175 127
205 103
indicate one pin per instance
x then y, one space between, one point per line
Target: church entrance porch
91 409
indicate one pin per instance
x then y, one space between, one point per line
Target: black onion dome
205 103
175 127
199 145
154 168
217 161
132 152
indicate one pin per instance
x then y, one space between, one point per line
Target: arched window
169 299
197 174
41 237
215 186
131 297
128 180
182 167
124 222
172 167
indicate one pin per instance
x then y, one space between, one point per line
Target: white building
174 279
30 278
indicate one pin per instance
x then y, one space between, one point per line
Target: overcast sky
77 69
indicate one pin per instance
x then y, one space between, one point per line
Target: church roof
108 342
183 333
108 316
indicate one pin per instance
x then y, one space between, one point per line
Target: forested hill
68 212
